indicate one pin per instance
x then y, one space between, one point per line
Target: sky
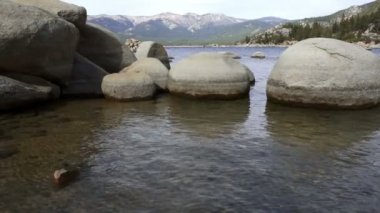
248 9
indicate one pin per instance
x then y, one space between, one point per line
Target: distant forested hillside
353 24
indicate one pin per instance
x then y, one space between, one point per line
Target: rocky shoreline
48 52
362 44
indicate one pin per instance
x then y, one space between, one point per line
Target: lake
177 155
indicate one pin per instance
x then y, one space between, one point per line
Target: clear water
178 155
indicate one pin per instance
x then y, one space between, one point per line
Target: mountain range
190 28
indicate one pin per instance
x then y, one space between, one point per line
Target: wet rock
64 177
35 42
326 73
71 13
210 75
153 50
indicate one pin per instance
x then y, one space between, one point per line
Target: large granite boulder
18 91
323 72
102 47
128 86
153 50
154 68
86 80
209 75
70 12
35 42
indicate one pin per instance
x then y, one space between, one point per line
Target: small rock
63 177
230 54
258 55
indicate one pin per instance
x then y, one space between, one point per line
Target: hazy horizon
246 9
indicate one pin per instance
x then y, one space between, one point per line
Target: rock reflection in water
322 129
325 157
209 118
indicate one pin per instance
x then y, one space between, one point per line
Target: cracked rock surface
323 72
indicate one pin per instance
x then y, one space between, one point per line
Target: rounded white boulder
209 75
128 86
323 72
154 68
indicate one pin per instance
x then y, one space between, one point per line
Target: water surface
177 155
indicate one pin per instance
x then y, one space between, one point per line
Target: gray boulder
128 86
128 57
258 55
86 80
154 68
251 76
209 75
153 50
323 72
35 42
18 91
70 12
102 47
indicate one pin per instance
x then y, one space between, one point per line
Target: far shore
367 46
224 46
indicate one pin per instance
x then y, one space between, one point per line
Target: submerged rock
232 55
7 150
63 177
128 86
209 75
154 68
102 47
18 91
86 80
71 13
35 42
323 72
153 50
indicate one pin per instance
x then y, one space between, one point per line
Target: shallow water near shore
178 155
